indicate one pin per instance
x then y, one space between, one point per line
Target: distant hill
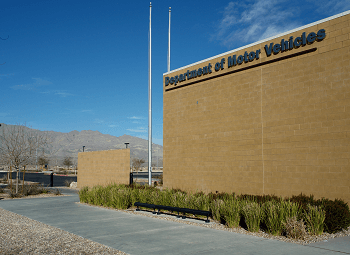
69 144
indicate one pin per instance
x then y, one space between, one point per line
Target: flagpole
150 100
169 40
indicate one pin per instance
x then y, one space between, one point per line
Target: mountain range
62 145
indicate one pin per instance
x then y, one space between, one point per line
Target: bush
57 192
337 215
33 189
67 183
28 189
294 228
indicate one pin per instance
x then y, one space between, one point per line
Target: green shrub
252 213
337 215
304 200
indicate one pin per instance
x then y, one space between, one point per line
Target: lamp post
7 169
36 156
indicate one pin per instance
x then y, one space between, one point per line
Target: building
272 117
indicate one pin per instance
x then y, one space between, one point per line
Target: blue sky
83 65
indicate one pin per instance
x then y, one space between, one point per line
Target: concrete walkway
136 234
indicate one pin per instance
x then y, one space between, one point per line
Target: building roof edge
261 41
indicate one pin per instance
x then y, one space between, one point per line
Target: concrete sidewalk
136 234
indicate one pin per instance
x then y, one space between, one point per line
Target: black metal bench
173 209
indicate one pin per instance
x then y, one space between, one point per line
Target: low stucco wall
103 167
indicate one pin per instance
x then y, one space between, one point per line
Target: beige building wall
278 125
103 167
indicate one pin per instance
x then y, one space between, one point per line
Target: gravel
21 235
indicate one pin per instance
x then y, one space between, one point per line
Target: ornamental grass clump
314 217
179 199
84 195
198 201
231 211
276 214
252 213
144 196
165 197
120 199
216 208
100 196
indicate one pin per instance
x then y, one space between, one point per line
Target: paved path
136 234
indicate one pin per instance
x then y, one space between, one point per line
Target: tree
136 164
42 160
18 145
67 161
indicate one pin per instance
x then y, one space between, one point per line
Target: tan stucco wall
280 127
103 167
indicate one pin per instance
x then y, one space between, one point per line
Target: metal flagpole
150 100
169 41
